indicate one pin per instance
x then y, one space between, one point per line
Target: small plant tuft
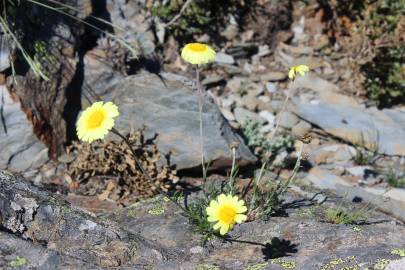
394 179
346 216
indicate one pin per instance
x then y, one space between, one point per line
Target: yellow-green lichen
353 267
131 213
258 266
284 263
381 264
17 262
207 267
357 229
398 251
350 264
157 210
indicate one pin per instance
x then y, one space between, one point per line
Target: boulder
168 107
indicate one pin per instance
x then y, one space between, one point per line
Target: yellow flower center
95 119
227 214
197 47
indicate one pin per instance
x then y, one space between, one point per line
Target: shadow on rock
278 248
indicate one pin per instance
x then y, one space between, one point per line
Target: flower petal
224 229
222 199
212 218
291 73
240 218
217 226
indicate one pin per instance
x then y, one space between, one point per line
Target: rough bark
53 44
45 219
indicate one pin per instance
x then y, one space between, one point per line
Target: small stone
227 102
343 154
197 250
268 116
247 68
212 80
230 32
273 76
276 105
234 124
288 119
242 115
301 128
66 158
251 101
265 99
237 84
358 170
271 87
228 115
223 58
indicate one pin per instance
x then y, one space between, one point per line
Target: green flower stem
200 110
233 172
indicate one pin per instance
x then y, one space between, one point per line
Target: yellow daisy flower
294 70
226 211
95 121
198 53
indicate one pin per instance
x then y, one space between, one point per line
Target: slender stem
264 165
279 118
144 172
200 110
233 172
272 135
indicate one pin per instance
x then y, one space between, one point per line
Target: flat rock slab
168 108
296 241
391 201
154 235
20 149
378 130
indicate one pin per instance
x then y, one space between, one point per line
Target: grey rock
223 58
309 243
228 115
135 24
301 128
227 102
5 50
273 76
271 87
20 148
26 255
35 214
288 119
270 118
396 265
359 171
391 201
382 131
242 115
238 84
169 109
214 79
250 101
343 154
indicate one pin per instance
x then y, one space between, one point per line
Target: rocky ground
355 154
